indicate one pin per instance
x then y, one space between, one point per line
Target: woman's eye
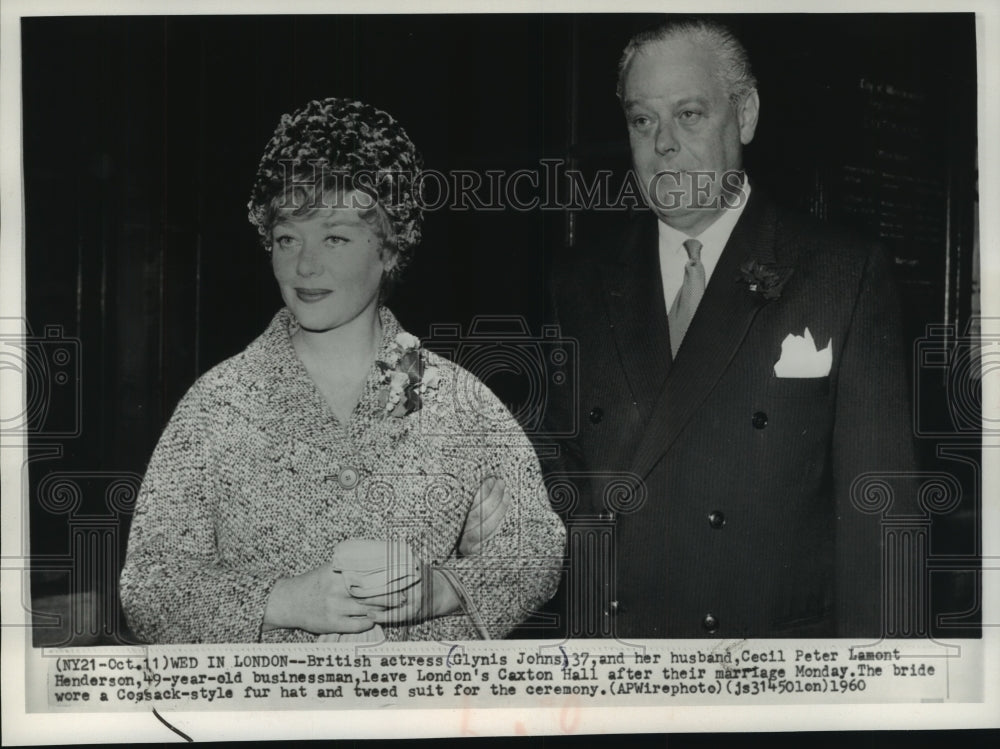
285 241
335 240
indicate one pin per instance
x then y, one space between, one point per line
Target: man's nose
665 141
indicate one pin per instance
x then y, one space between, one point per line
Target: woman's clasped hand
370 582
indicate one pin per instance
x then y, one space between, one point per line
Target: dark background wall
142 136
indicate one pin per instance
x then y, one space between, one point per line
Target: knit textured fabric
254 479
366 146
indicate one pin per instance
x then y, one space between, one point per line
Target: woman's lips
312 295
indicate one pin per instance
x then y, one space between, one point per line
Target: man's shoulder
827 253
599 239
819 239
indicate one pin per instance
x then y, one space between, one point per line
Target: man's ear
747 114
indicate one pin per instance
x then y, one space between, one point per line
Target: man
742 381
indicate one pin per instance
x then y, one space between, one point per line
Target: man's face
684 133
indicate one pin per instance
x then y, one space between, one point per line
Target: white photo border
21 727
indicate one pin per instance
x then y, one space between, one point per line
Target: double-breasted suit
711 497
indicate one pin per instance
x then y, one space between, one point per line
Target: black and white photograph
652 345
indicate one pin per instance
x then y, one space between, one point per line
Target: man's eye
690 115
640 121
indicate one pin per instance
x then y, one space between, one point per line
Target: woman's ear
390 258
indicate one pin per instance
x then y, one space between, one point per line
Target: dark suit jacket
712 497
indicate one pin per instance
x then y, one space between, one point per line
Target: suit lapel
719 326
634 297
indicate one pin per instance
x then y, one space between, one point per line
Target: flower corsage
763 280
409 378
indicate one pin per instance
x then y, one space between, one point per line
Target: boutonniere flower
408 377
764 280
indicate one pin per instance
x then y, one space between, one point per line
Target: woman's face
328 266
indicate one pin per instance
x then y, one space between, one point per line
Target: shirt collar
717 234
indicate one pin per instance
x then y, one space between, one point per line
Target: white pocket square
801 358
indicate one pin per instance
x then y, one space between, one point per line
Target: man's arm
872 435
561 417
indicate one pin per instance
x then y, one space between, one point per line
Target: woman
334 479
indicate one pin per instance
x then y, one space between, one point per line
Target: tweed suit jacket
713 497
255 479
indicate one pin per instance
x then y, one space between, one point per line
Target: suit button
716 519
348 478
596 414
710 623
759 420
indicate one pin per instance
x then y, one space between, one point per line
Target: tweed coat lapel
286 391
633 293
719 326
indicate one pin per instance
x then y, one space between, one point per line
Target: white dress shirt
673 256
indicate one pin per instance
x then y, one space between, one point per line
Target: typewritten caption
582 673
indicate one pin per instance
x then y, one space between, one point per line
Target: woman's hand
421 602
390 578
488 510
318 601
